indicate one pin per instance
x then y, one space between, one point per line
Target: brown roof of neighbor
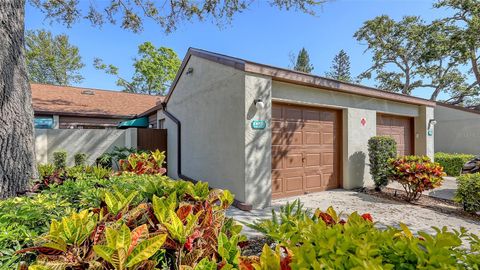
295 77
78 101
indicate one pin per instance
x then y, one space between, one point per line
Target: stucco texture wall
258 142
210 104
92 142
457 131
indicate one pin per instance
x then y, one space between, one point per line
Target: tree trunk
17 150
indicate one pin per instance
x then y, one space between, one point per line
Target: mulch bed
425 201
255 246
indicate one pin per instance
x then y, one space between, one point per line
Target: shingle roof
68 100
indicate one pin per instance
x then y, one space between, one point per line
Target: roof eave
294 77
83 114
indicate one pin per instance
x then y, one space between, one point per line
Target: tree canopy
462 29
303 62
155 69
340 69
52 59
410 54
168 14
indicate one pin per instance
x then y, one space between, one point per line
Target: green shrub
416 174
60 160
144 163
325 240
45 170
132 228
380 150
452 163
80 159
468 191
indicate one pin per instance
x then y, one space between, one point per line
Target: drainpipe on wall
240 205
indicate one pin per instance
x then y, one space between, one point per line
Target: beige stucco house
265 132
457 129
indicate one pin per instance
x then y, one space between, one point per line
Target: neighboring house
265 132
84 108
457 129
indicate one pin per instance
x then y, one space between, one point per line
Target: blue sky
262 34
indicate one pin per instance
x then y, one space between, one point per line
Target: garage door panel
328 158
293 114
314 159
329 180
312 138
294 184
277 185
312 116
313 181
303 151
327 138
311 127
277 113
293 161
277 138
293 138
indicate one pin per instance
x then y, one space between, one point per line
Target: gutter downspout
240 205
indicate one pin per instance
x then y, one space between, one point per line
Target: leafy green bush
416 174
60 160
80 159
144 163
23 219
452 163
131 229
468 191
324 240
380 150
108 159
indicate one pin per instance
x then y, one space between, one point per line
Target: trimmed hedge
452 163
60 160
80 159
468 192
380 150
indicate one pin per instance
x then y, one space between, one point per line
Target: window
161 123
45 122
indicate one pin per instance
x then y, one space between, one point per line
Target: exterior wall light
431 123
189 71
259 104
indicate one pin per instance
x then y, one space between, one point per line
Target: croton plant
144 163
416 174
128 233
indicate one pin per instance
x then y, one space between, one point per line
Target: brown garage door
398 127
305 149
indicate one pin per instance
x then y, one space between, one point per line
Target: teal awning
141 122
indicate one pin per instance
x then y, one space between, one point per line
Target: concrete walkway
446 191
385 212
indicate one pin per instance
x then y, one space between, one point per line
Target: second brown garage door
398 127
305 149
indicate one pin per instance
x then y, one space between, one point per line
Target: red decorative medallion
363 122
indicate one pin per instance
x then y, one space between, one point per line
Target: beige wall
336 99
424 142
209 103
457 131
258 144
356 172
93 142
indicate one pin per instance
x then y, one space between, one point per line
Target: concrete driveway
385 212
446 191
